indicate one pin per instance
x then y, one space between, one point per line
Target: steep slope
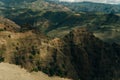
78 55
97 60
13 72
8 25
32 51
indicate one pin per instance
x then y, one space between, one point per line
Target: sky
99 1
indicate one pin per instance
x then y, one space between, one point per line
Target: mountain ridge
78 55
95 1
61 42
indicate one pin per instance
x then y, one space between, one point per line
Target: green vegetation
1 55
1 29
55 20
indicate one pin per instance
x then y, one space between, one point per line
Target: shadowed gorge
74 41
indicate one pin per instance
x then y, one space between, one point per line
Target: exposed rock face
93 59
79 55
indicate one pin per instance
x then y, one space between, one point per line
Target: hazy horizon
98 1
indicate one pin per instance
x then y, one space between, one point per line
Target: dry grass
13 72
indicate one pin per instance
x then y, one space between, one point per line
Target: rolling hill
56 20
92 7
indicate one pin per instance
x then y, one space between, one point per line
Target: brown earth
78 55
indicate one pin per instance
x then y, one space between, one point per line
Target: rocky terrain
49 37
78 55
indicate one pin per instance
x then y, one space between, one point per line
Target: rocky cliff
78 55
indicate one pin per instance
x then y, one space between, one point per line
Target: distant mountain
92 7
12 8
97 1
56 20
86 6
13 2
75 6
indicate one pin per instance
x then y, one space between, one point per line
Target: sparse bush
1 29
1 59
35 69
9 36
1 55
